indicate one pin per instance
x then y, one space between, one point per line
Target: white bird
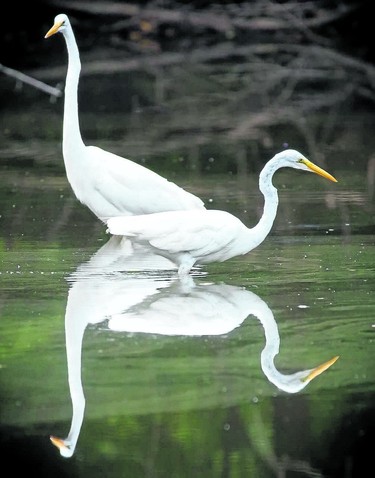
204 236
108 184
147 303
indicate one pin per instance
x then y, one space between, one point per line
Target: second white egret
204 236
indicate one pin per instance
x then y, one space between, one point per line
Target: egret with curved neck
107 184
204 236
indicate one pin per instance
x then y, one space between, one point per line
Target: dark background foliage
348 25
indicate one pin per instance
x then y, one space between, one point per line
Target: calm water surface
153 377
146 376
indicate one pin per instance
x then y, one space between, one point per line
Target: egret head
294 159
60 24
295 382
66 450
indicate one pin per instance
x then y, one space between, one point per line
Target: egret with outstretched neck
109 185
204 236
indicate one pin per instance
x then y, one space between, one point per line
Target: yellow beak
53 30
57 442
320 369
318 170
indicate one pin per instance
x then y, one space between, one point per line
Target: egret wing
199 232
129 186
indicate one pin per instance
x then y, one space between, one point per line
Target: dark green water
173 374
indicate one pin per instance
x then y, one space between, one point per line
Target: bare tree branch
22 78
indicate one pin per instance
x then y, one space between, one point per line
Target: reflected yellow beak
57 442
318 170
53 30
320 369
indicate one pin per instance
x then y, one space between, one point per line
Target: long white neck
74 331
290 383
71 131
259 308
271 201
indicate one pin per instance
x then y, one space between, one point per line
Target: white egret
204 236
108 184
147 303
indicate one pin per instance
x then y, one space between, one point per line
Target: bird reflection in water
148 301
